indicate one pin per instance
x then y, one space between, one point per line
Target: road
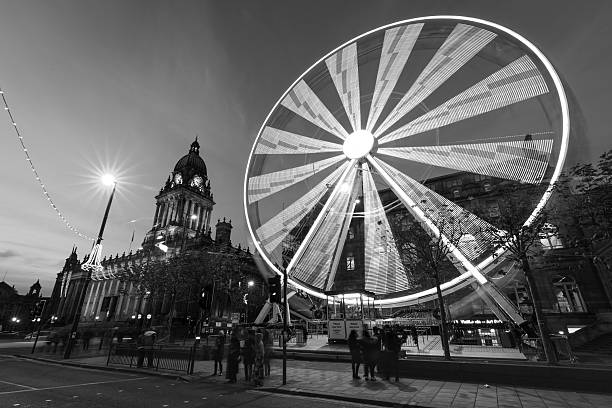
33 384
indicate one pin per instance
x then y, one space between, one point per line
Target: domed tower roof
191 164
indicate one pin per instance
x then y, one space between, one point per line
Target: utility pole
285 326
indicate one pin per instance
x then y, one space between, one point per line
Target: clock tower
184 204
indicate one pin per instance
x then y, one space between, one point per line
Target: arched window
567 295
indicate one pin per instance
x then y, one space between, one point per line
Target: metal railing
157 357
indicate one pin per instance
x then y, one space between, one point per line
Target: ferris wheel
374 124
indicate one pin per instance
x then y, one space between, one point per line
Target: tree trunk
170 318
444 330
549 351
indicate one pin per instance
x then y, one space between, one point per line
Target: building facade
181 225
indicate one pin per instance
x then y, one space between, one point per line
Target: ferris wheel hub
358 144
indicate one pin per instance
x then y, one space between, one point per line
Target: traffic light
274 286
37 310
205 297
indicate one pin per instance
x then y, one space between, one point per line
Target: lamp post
93 263
250 284
191 218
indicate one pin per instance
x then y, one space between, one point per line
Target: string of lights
37 176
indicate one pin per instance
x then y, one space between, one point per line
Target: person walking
233 358
268 346
218 352
415 336
393 346
258 371
248 355
86 339
369 354
141 349
355 350
376 351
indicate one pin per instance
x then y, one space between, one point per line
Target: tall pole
77 312
40 323
285 326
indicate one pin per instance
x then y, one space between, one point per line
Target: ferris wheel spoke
396 49
426 204
343 68
525 161
384 271
270 183
274 231
516 82
304 102
461 45
312 261
276 141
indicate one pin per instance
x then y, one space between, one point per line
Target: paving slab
333 381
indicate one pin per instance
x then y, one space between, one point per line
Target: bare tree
222 276
427 255
585 203
521 239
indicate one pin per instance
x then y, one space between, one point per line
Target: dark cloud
7 253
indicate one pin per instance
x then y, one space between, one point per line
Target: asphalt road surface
28 384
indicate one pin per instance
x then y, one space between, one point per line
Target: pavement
429 345
35 384
332 381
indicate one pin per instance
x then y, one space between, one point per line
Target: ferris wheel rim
561 99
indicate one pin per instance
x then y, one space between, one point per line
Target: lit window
351 234
350 263
549 237
568 296
487 186
520 296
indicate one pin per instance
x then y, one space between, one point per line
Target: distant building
15 309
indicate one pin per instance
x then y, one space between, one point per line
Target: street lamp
92 264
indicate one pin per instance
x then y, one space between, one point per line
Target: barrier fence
157 357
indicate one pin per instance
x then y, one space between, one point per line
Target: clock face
196 181
178 179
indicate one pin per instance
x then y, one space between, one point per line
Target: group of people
379 352
253 348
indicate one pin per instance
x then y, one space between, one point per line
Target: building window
549 237
350 262
487 186
520 296
456 193
494 210
404 224
567 295
351 234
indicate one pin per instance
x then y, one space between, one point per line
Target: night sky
125 86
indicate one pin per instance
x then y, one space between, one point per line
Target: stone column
165 217
156 214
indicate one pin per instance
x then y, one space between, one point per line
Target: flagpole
132 240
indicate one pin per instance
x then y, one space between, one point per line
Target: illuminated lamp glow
108 179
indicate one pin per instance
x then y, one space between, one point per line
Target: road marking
18 385
72 385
